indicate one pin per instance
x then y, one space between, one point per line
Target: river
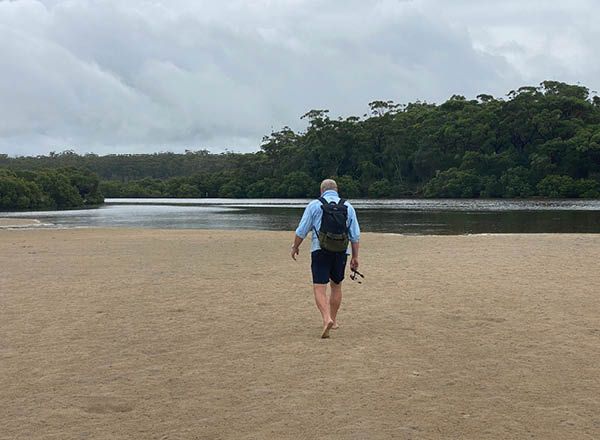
407 216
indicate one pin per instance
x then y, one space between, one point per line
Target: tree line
48 189
537 142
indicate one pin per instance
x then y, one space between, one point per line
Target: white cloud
142 75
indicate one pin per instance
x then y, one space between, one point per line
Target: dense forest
540 141
48 189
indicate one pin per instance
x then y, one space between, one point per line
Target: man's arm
302 230
354 236
354 260
296 246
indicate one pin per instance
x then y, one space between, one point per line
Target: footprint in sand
493 319
105 405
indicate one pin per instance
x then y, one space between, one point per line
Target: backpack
333 235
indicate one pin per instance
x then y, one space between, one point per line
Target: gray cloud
110 76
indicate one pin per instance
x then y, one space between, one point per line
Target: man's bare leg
323 306
335 300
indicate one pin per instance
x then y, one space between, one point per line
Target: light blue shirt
311 220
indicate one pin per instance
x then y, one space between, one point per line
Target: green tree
453 183
587 188
19 194
231 190
60 190
347 186
515 183
111 188
298 184
380 189
557 186
263 188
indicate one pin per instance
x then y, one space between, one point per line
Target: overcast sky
131 76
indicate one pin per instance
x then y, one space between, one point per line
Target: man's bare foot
326 328
335 325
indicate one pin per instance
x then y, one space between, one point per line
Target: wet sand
8 222
156 334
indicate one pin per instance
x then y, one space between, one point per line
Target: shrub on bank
48 189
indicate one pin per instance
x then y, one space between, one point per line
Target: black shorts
327 265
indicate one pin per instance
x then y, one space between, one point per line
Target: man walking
333 224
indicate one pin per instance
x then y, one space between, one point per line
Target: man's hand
354 260
295 251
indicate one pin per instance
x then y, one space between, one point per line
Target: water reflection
401 204
448 222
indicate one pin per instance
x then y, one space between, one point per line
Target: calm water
399 216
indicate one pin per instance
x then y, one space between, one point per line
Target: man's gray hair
328 184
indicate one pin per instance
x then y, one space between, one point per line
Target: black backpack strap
324 203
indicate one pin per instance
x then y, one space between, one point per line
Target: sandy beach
195 334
